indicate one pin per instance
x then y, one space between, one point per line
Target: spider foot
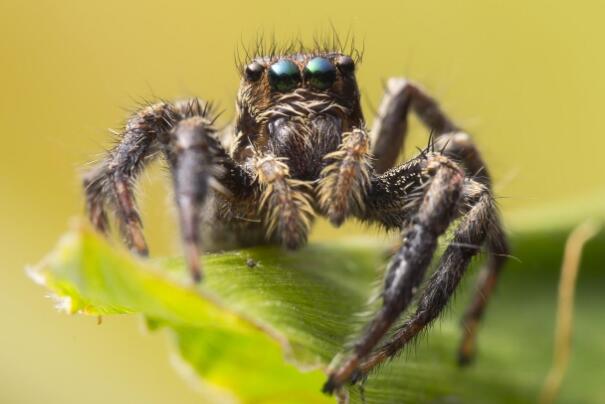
347 373
468 346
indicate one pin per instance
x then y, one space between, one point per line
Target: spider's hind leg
497 254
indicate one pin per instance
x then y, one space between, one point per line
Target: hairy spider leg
441 191
111 182
390 129
182 132
497 246
389 133
196 159
480 224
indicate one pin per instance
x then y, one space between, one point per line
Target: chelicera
300 148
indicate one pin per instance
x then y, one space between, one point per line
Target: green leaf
267 333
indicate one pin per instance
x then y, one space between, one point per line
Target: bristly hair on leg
431 141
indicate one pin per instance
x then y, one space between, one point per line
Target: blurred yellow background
526 78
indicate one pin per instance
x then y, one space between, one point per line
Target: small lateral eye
284 75
254 71
320 73
345 64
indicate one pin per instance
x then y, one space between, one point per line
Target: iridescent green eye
320 73
284 75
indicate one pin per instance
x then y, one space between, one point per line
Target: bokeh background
526 78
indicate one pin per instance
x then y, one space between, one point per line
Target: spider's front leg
436 189
480 224
183 133
111 181
434 185
198 162
389 132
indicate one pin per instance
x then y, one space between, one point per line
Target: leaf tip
35 274
63 304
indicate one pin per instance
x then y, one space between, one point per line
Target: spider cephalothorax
300 148
293 114
297 107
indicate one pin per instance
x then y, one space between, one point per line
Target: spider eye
254 71
284 75
320 73
345 64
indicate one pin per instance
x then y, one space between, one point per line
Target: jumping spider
300 148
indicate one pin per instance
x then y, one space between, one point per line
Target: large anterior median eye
320 73
284 75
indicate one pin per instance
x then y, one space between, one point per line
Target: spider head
297 106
